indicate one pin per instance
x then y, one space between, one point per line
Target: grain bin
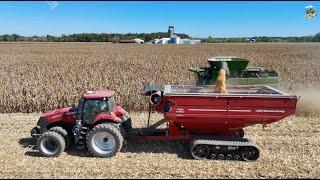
175 39
170 31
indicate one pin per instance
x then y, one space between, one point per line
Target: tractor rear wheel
51 144
62 132
104 140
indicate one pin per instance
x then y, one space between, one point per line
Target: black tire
250 153
102 136
63 133
120 128
237 157
240 134
200 151
51 144
221 157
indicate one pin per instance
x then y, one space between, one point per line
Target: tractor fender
109 117
119 111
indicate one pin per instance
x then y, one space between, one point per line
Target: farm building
251 40
138 41
174 39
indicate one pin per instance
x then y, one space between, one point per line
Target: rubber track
244 142
224 142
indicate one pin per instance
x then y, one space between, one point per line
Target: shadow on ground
30 143
180 148
172 147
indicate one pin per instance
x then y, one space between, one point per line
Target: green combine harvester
237 73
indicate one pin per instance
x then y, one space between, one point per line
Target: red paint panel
197 100
111 117
216 115
261 110
64 114
261 102
119 111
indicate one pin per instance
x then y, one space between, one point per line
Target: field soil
288 149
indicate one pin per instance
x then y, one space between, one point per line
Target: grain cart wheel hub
51 144
104 140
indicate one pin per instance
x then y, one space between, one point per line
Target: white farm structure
174 39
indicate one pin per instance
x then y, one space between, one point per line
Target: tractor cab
94 103
258 72
253 72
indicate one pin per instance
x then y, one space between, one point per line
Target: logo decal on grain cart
270 110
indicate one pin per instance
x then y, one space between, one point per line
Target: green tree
316 38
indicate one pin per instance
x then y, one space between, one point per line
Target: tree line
315 38
87 37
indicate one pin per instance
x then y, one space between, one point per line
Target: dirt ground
288 149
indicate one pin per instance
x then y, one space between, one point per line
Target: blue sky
198 19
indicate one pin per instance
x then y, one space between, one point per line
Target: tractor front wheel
104 140
51 144
62 132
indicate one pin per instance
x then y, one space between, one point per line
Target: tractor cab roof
98 94
226 58
255 69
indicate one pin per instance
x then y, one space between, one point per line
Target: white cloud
53 4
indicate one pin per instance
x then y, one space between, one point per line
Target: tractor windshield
88 109
93 107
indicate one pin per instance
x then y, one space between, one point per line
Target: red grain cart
214 122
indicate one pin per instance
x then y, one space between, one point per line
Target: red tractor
212 122
96 122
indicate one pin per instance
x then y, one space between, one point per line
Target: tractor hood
58 114
64 115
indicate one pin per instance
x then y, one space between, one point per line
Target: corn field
38 77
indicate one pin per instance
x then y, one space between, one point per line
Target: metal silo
171 31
